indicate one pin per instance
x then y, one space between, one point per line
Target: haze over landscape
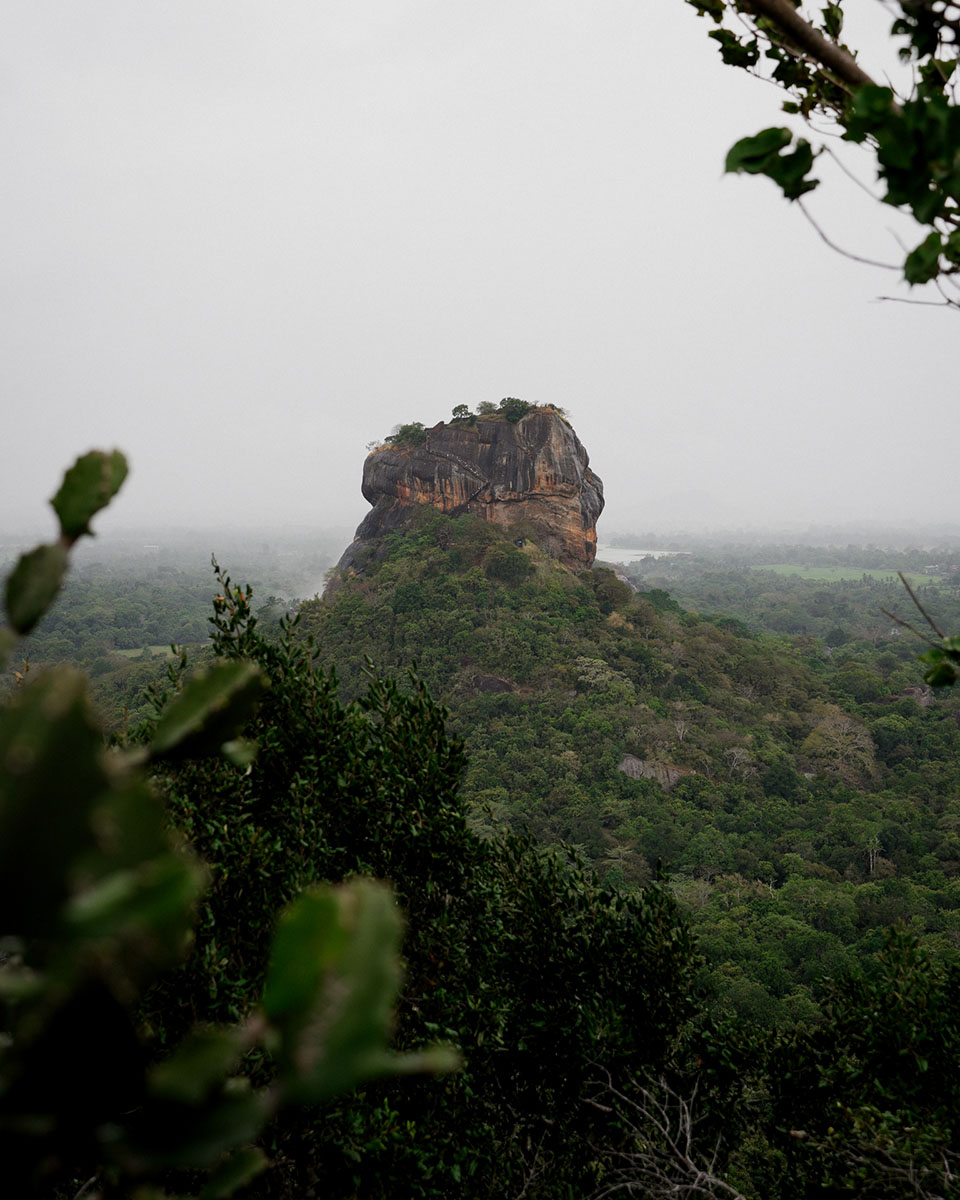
242 242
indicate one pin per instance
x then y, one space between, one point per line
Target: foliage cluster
511 408
913 135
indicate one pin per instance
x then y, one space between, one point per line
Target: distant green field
835 574
155 651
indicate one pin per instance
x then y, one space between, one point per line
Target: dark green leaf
951 247
89 485
734 52
833 20
752 154
33 585
923 263
708 8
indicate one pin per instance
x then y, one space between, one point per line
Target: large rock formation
535 471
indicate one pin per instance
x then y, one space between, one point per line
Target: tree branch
870 262
841 63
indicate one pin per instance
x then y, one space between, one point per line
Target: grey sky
243 239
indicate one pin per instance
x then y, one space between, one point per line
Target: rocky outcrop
666 774
535 471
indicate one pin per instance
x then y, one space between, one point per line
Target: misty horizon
241 247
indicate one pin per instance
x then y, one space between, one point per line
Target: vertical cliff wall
534 471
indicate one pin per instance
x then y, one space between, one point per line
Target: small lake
623 554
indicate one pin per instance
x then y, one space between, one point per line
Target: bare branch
870 262
850 175
946 302
906 625
923 612
663 1158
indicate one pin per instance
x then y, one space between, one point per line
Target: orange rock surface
534 471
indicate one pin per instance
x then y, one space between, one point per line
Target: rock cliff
535 471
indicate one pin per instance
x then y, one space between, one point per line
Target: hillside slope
794 822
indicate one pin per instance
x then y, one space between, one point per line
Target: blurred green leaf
210 708
33 585
198 1066
152 902
332 981
8 640
238 1170
185 1135
241 752
89 485
943 670
53 776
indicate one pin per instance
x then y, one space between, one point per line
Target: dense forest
679 862
799 789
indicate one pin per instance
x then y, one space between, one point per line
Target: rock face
534 471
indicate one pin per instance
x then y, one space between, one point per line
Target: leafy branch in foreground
914 136
95 901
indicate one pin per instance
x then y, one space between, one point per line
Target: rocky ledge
533 471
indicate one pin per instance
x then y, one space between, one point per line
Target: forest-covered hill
800 789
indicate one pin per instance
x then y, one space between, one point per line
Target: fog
243 240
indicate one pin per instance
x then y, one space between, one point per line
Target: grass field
836 574
155 652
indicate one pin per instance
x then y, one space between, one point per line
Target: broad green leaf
198 1066
209 710
89 485
33 585
762 155
752 154
331 985
238 1170
8 640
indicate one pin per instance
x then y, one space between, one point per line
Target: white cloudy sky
242 239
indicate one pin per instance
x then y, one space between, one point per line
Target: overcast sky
244 239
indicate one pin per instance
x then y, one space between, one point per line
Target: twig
87 1186
906 625
849 174
870 262
923 612
946 302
